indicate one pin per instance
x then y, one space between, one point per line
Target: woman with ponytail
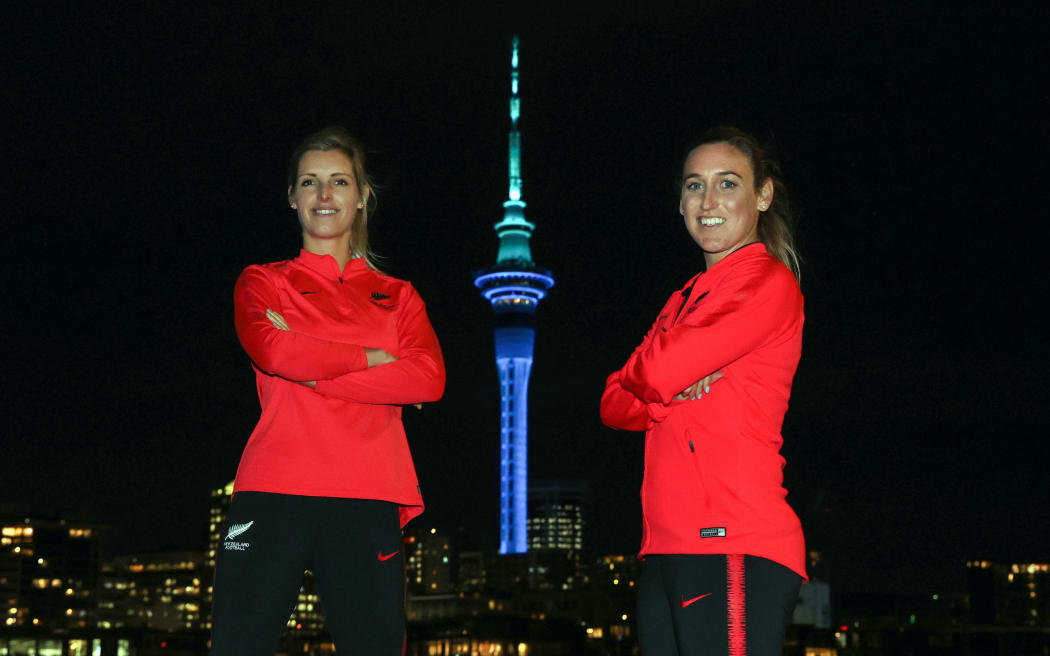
724 553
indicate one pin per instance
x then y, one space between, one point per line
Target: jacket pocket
703 503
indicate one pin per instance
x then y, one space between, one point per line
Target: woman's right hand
377 356
697 390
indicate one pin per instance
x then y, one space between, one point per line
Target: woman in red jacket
724 553
326 480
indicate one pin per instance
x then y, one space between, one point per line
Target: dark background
145 151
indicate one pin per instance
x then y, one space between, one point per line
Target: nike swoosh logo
305 293
687 602
390 555
237 529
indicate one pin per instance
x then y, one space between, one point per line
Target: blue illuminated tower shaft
514 287
514 362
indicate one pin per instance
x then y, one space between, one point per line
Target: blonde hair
775 225
338 138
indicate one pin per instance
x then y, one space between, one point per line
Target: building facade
48 573
556 524
556 515
1009 594
163 591
428 558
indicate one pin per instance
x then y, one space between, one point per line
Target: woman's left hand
277 320
697 390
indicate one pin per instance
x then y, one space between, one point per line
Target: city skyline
148 152
55 586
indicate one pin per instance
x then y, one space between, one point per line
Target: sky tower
514 287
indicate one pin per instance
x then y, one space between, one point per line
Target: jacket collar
745 251
326 265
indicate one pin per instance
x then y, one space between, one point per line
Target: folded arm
750 308
418 374
622 409
285 353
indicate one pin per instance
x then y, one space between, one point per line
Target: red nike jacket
344 438
713 481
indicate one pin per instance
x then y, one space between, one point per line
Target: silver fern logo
238 529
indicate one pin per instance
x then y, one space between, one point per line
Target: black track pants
353 547
714 605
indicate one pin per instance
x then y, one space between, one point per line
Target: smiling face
327 197
720 201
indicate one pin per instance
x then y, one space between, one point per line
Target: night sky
145 155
